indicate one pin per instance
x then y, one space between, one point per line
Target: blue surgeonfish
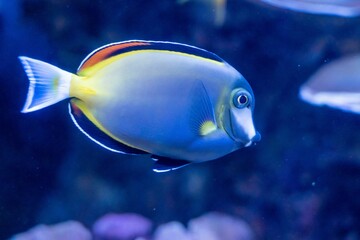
337 85
178 103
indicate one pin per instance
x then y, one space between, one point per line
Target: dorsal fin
95 134
107 51
114 49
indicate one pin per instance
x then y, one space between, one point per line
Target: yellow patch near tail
80 89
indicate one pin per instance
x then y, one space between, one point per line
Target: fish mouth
243 131
254 140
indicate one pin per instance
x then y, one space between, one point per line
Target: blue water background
302 181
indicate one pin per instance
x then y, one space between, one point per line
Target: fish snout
253 140
242 128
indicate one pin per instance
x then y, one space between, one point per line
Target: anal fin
164 164
87 127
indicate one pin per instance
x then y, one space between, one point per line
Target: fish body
336 85
171 100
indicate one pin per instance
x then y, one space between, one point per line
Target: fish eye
241 99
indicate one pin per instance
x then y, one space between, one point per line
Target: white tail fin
48 84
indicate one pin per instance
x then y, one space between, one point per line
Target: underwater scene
136 120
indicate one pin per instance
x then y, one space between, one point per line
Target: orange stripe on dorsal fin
108 51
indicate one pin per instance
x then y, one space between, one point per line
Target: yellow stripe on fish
99 65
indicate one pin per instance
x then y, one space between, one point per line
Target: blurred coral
219 226
211 226
172 230
126 226
131 226
70 230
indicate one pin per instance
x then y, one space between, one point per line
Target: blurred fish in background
343 8
336 85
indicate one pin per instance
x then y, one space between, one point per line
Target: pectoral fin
202 117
